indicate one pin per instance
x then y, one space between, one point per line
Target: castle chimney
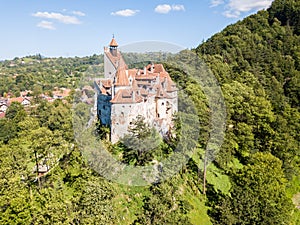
152 68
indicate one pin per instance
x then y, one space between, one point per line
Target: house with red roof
2 115
61 93
3 105
25 101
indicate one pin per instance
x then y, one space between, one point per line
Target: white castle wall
121 116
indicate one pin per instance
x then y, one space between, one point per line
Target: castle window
162 103
158 115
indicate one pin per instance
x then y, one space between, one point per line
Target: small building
61 93
2 115
3 106
25 101
41 170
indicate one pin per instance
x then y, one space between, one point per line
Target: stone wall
121 117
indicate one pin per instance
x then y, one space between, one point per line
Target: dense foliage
258 65
36 73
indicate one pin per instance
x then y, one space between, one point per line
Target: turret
113 47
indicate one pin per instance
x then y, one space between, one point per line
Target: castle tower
113 47
112 59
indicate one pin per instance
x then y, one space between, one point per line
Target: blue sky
82 27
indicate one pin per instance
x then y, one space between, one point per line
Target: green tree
16 112
164 206
258 195
141 143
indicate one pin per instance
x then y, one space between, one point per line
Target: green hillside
257 63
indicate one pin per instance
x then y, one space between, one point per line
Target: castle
125 93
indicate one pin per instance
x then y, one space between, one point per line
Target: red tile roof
146 77
155 82
159 68
117 60
113 43
2 114
63 92
122 78
124 96
18 99
106 83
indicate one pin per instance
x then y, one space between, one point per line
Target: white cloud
214 3
125 12
46 25
178 7
235 7
58 16
231 14
164 9
78 13
247 5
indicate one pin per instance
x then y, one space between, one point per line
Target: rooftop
113 43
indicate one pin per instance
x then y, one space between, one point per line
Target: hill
257 63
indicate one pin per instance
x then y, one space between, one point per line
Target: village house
125 93
25 101
61 93
3 105
2 115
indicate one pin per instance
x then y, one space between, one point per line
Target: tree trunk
37 168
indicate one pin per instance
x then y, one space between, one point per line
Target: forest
253 179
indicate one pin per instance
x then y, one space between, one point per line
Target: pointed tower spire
113 42
113 47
